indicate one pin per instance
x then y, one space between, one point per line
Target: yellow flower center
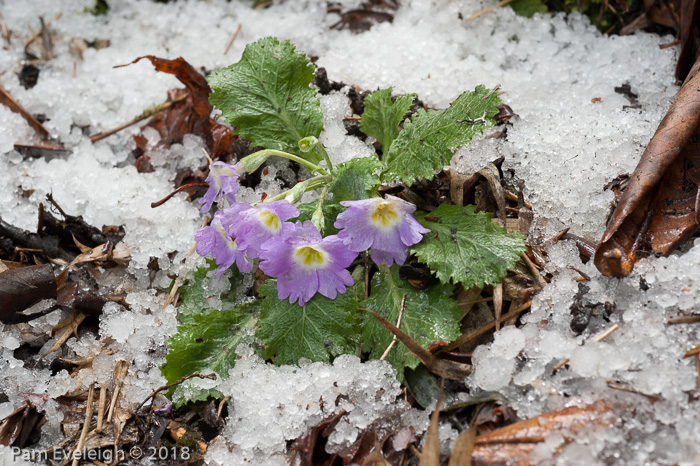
309 257
270 221
385 215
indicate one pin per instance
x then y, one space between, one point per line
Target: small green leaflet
528 8
355 179
382 117
429 315
319 330
207 343
330 208
267 98
425 144
467 247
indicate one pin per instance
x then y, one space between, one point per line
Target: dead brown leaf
189 115
660 206
513 444
64 330
689 33
23 287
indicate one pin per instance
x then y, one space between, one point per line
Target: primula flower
214 240
255 224
386 226
305 263
223 182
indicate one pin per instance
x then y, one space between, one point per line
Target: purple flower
386 226
255 224
304 263
223 182
213 240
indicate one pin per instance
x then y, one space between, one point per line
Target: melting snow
565 145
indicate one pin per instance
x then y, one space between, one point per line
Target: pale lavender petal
304 233
283 209
206 240
332 283
411 231
299 285
223 182
276 258
356 231
405 206
388 257
339 252
388 241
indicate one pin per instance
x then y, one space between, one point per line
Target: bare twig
618 386
101 409
467 337
398 324
488 10
602 336
181 188
692 352
498 303
683 320
211 376
143 116
670 44
541 282
120 370
86 425
233 39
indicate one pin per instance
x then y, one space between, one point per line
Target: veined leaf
466 247
318 330
267 98
193 297
382 117
428 315
355 179
425 145
207 343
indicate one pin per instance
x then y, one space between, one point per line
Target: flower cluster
304 262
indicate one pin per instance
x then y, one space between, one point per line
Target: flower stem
314 183
323 152
257 158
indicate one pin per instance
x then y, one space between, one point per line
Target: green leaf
382 117
267 98
467 247
355 179
425 144
528 8
193 296
321 329
430 314
207 343
330 210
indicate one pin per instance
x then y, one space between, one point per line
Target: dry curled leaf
22 288
659 208
190 115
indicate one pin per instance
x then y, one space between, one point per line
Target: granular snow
575 132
